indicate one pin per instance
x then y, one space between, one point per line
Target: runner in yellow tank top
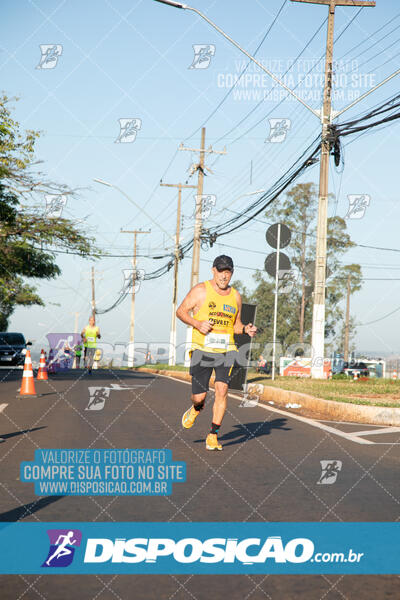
216 308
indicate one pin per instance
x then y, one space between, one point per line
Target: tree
298 210
349 280
28 237
298 213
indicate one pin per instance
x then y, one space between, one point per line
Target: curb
336 411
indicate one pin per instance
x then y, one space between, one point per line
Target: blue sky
125 59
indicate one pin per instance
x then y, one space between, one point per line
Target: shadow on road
15 514
243 432
5 436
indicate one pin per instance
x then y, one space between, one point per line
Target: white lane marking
346 423
2 407
348 436
387 429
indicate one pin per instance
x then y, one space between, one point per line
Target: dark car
12 348
355 367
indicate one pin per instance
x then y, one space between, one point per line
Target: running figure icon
62 549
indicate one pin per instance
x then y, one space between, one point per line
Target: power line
374 56
381 318
370 35
273 87
240 76
296 86
377 42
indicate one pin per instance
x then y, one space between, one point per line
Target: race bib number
91 339
219 341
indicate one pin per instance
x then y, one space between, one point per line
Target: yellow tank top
91 336
222 311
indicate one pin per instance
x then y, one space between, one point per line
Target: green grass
374 392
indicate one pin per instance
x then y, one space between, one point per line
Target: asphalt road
268 471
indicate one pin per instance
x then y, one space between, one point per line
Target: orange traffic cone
42 373
28 385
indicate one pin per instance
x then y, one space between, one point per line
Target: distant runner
217 316
78 353
90 334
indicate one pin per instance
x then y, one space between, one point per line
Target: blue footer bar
208 548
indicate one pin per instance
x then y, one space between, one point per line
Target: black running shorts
202 365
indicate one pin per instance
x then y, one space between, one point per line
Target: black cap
223 263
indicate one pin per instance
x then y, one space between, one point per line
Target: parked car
356 367
12 348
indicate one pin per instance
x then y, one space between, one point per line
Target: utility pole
172 336
347 324
76 322
93 297
131 348
318 323
75 331
194 279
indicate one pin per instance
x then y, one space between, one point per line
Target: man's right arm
194 298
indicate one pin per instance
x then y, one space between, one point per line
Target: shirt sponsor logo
220 314
229 308
220 322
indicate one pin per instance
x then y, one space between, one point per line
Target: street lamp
226 36
112 185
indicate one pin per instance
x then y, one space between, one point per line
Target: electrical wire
370 35
380 319
296 86
241 74
272 88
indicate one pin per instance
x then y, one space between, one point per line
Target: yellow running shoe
212 442
189 417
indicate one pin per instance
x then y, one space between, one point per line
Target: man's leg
223 373
90 358
219 408
198 400
193 412
200 380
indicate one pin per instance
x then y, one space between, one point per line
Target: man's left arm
238 327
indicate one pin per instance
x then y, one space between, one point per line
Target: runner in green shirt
78 353
90 334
